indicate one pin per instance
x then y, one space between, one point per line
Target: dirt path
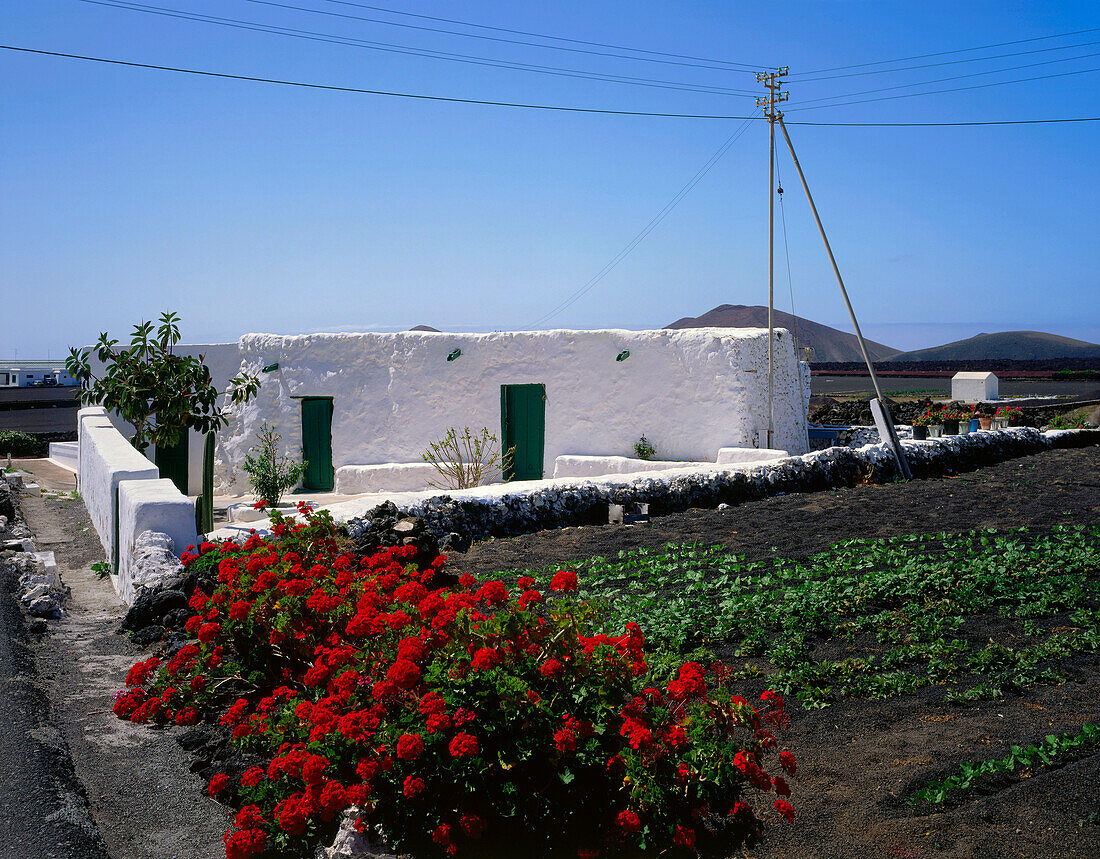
146 802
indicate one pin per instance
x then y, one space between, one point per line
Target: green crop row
892 614
1044 754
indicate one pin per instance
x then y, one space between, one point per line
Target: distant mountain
1013 345
424 328
830 344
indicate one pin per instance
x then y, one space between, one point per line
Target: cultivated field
915 628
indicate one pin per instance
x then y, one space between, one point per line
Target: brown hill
1015 345
829 344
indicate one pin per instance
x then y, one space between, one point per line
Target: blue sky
254 207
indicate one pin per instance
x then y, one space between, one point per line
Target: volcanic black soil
858 759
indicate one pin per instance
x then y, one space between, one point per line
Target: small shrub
643 449
19 443
1068 421
270 474
465 460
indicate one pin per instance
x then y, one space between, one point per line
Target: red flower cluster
441 708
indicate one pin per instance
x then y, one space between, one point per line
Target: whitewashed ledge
509 509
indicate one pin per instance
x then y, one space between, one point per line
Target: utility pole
774 83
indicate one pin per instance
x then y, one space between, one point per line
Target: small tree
270 473
465 460
161 393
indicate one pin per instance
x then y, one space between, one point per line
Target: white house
380 399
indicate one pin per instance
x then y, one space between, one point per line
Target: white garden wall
690 391
150 505
106 459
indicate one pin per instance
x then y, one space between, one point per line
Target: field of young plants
938 643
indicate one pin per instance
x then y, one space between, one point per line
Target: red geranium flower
410 747
463 745
628 822
218 784
564 580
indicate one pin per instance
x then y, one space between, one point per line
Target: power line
946 53
953 78
550 107
699 65
648 228
336 88
388 47
743 66
951 62
951 89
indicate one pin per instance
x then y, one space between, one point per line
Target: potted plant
1007 416
985 416
951 418
922 423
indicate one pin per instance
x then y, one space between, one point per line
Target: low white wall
387 477
689 391
150 505
66 454
97 414
728 455
106 459
596 466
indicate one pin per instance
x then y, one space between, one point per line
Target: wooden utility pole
774 83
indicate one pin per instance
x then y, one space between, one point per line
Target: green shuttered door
317 442
172 462
523 423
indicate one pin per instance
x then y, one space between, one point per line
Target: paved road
48 474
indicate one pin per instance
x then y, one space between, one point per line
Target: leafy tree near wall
161 393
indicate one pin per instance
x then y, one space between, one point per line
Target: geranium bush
457 717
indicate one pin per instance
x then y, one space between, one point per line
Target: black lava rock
151 607
148 635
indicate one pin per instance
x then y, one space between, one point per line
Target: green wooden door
172 462
523 426
317 442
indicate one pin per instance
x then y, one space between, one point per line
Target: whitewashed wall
690 391
150 505
107 458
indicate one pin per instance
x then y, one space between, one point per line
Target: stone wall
457 521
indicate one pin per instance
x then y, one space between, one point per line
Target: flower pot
972 425
985 421
935 430
950 427
1000 423
920 433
